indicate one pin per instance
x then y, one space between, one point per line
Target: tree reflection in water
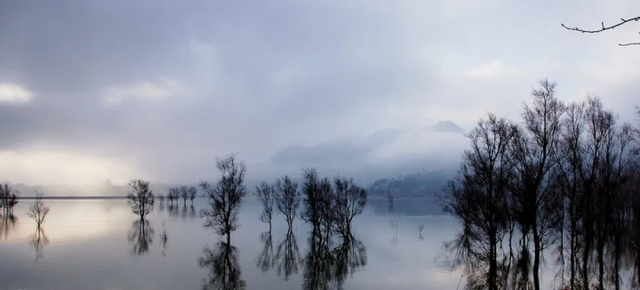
223 266
327 267
288 256
141 235
39 240
266 259
7 225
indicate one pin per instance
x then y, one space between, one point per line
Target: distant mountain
343 149
367 158
446 127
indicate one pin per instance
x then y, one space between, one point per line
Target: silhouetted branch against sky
604 28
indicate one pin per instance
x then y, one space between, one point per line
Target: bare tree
8 198
184 193
287 199
311 190
602 28
267 198
225 197
140 198
536 153
38 211
478 199
193 191
350 202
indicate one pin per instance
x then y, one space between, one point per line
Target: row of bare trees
184 192
564 180
328 205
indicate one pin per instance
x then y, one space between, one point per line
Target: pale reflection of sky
88 248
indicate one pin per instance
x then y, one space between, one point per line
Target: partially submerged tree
140 198
38 211
312 201
173 194
602 28
266 196
536 155
225 196
478 197
184 193
350 202
287 199
8 198
193 191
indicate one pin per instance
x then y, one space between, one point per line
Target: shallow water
96 244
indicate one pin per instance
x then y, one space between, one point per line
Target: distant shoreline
75 197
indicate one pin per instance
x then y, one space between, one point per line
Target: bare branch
604 28
622 22
629 44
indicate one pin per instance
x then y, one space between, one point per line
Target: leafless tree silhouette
478 196
8 199
225 197
350 202
287 199
38 211
193 191
140 198
267 198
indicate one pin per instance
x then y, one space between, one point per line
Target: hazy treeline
8 199
329 206
563 181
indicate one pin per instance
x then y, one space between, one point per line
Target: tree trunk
536 257
493 263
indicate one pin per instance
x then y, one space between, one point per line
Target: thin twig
623 21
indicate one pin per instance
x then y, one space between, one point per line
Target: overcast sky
156 89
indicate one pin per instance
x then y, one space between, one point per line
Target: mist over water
100 244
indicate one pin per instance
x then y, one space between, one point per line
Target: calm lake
97 244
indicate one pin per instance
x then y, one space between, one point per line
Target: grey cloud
258 77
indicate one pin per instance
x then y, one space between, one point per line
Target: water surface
100 244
